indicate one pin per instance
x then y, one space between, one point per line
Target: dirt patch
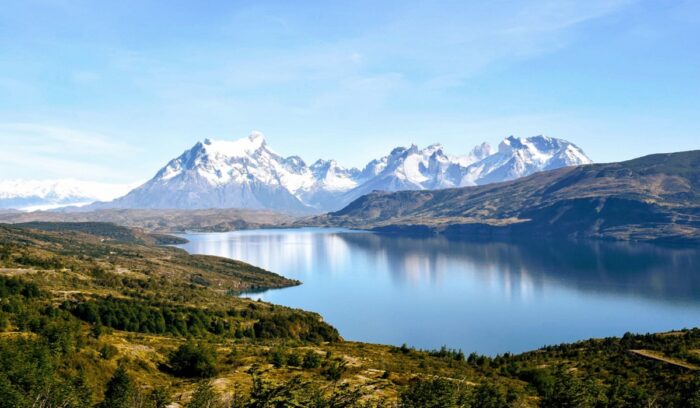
655 355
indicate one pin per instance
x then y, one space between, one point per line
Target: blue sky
109 91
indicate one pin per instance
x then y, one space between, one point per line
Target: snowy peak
430 168
247 146
219 162
519 157
478 153
245 173
330 176
30 195
481 151
541 149
407 168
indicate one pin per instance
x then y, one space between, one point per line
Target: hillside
655 197
102 249
212 220
95 316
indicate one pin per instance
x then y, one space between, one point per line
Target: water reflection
489 297
667 273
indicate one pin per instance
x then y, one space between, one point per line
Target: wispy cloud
53 151
337 71
40 137
433 46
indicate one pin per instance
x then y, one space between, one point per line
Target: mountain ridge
655 197
30 195
246 173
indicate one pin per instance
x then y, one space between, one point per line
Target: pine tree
120 390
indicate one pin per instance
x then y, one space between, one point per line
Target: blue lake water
488 297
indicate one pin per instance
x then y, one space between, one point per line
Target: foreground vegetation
98 315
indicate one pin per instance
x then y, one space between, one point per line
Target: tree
487 395
204 397
430 393
120 390
159 397
193 360
569 392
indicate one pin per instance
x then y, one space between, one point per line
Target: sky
110 91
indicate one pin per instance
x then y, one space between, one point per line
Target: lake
487 297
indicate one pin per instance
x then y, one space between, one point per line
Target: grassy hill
159 221
95 315
655 197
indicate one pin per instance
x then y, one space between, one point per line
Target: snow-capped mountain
331 180
431 168
241 174
30 195
409 169
246 174
518 157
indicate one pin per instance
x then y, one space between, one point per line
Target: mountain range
30 195
652 198
655 197
247 174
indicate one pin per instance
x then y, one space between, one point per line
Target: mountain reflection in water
490 297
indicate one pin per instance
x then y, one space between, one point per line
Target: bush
193 361
277 359
488 396
311 360
30 371
108 351
159 397
15 286
204 397
431 393
294 360
292 325
334 370
570 391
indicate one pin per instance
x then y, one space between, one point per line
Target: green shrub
294 360
431 393
107 351
334 370
193 361
204 397
277 358
311 360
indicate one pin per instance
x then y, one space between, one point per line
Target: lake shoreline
532 283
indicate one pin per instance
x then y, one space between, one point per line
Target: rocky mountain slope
655 197
246 173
